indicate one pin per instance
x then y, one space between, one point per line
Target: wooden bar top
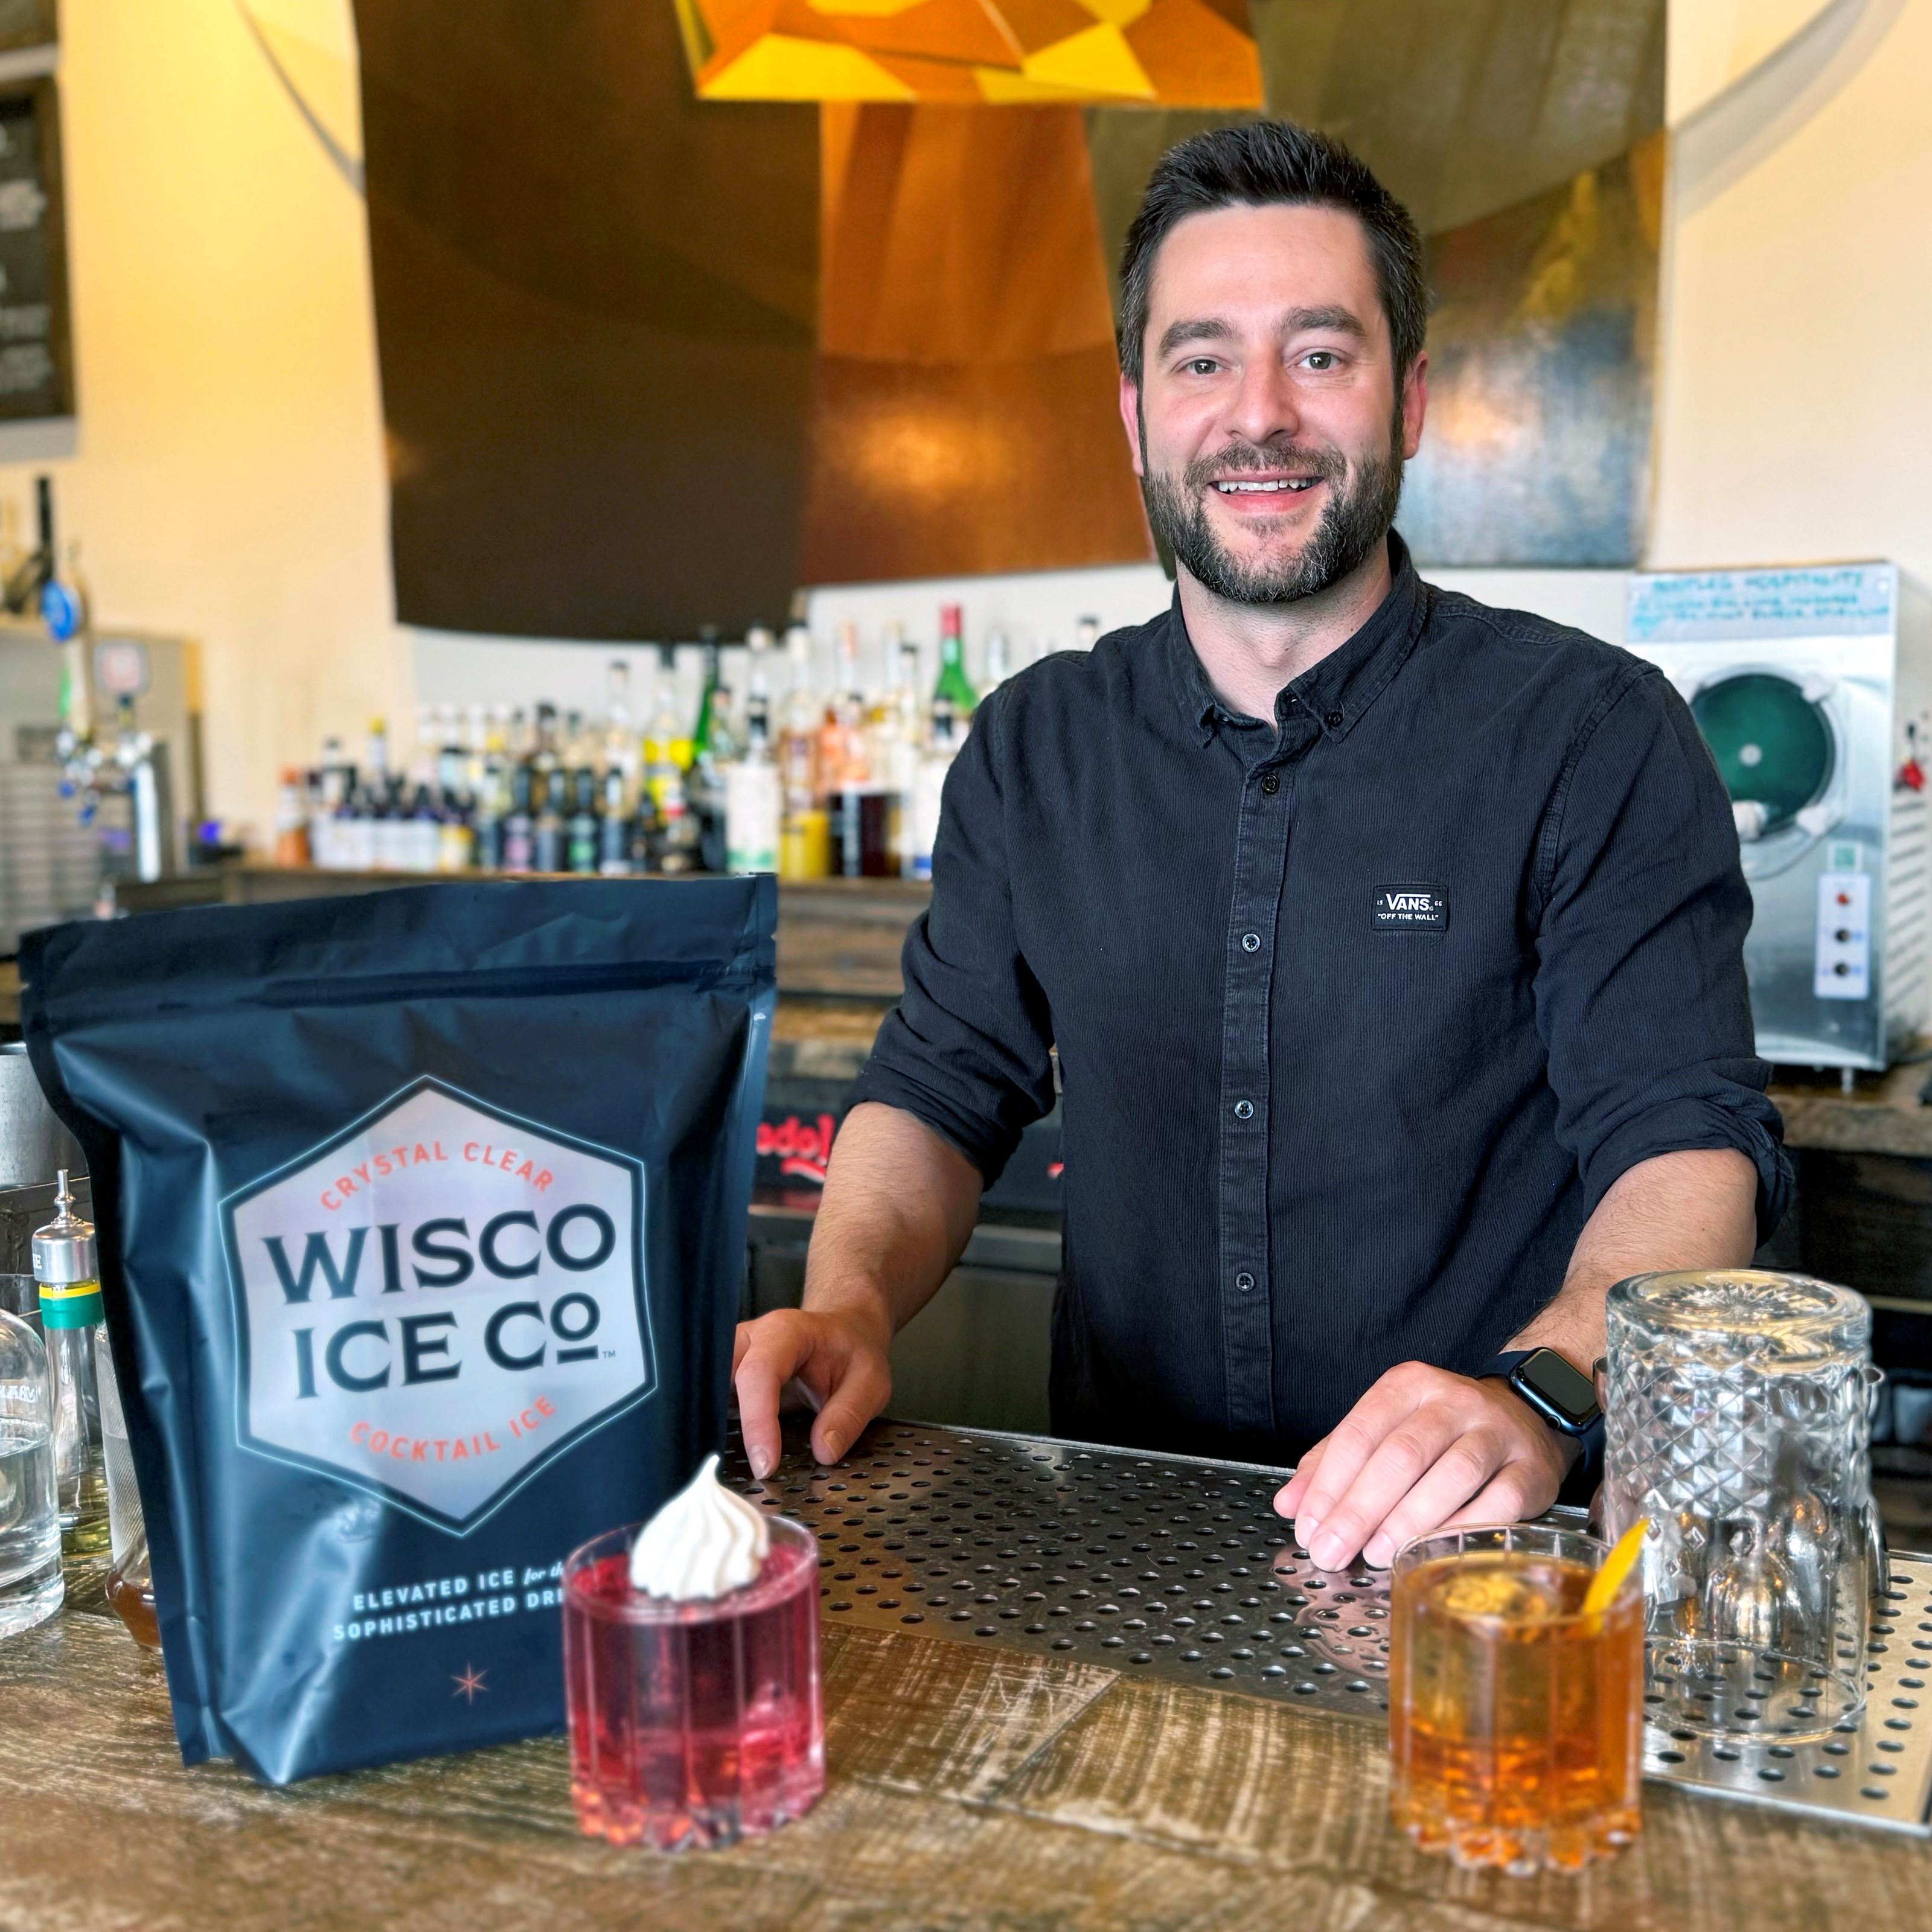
967 1787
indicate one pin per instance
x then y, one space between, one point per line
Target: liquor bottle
353 841
376 764
842 761
999 661
667 743
712 657
582 846
69 1276
486 814
620 740
753 798
291 816
546 833
644 833
519 825
714 747
455 834
337 778
896 729
758 642
613 825
953 685
452 764
425 831
392 847
798 738
675 843
805 831
544 749
939 753
131 1581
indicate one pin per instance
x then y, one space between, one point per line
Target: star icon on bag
469 1683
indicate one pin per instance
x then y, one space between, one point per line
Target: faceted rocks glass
1737 1421
1515 1718
692 1723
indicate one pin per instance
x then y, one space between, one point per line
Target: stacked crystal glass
1737 1415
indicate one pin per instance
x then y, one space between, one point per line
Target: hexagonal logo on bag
437 1301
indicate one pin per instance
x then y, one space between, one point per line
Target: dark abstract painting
651 359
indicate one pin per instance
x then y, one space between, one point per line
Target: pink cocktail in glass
692 1723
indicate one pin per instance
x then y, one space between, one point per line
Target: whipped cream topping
705 1542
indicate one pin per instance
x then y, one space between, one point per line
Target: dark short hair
1259 164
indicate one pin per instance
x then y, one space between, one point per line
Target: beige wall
1796 420
227 478
227 472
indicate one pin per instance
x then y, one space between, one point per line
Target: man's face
1269 427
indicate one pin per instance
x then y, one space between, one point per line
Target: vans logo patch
1409 909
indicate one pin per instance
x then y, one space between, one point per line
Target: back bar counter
977 1355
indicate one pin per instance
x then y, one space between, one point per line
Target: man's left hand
1423 1450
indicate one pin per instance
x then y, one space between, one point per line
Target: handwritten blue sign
1848 600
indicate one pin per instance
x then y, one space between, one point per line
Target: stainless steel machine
1813 687
99 769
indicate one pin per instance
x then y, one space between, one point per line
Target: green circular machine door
1772 743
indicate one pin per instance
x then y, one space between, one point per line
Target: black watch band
1575 1414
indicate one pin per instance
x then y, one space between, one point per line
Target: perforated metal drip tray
1171 1567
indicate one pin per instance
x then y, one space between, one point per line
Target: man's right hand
840 1362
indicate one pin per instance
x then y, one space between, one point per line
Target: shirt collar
1335 692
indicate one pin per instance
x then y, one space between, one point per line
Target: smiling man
1390 944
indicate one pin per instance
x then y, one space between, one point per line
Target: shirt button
1271 784
1251 942
1244 1110
1334 720
1244 1282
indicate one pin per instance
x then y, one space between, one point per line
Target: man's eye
1320 359
1202 365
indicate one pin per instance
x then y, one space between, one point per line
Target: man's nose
1264 408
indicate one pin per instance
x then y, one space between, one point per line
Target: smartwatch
1559 1392
1566 1399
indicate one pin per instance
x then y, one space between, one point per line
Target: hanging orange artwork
963 409
1147 53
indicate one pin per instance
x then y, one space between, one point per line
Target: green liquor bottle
953 685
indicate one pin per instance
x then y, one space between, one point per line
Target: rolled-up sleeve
968 1048
1640 991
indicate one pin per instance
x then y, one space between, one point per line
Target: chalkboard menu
27 23
36 354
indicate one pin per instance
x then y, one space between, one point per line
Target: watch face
1566 1388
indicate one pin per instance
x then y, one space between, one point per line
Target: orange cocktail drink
1515 1715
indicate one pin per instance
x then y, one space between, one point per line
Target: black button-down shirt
1359 1013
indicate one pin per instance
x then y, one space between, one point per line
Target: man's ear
1130 420
1415 404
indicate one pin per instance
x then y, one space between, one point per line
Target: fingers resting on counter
1424 1449
843 1374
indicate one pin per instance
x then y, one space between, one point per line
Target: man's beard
1353 523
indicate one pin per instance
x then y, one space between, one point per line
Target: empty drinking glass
32 1586
1738 1421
